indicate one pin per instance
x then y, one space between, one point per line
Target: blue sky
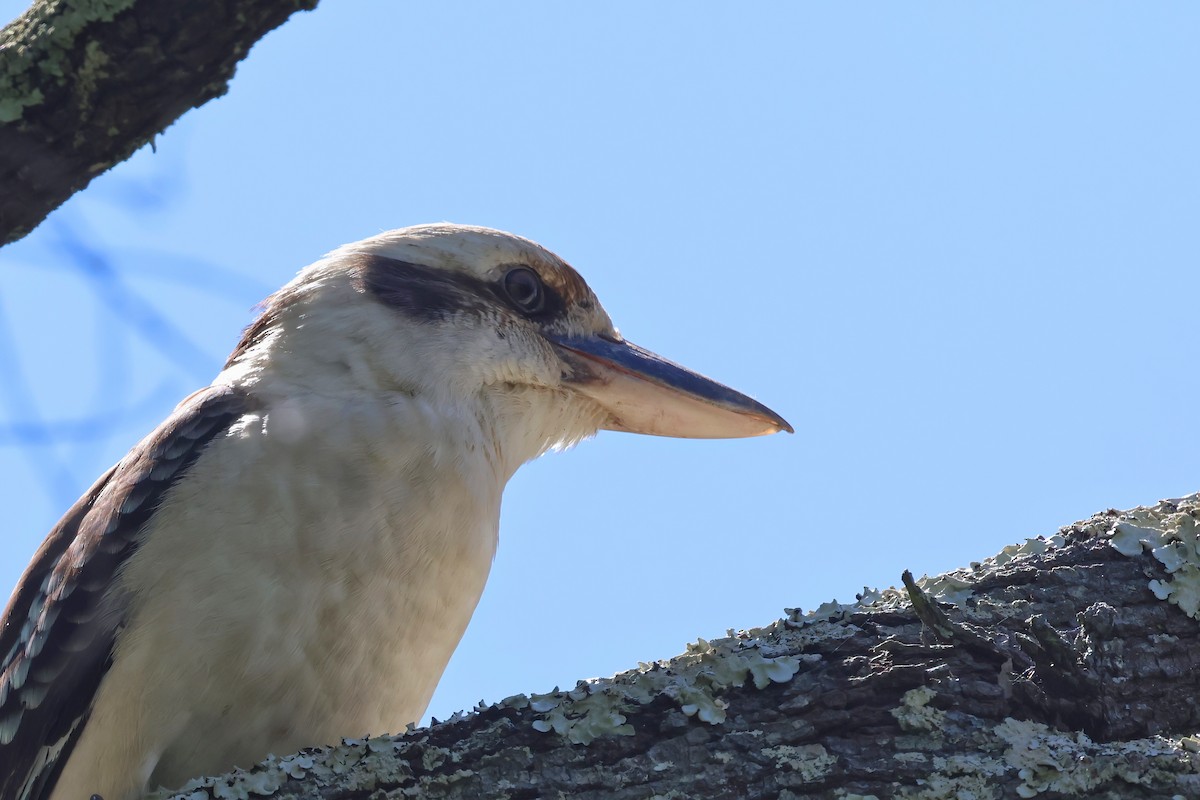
955 245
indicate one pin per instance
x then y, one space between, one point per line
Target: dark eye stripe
421 292
432 294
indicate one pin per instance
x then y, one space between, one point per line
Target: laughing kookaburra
294 553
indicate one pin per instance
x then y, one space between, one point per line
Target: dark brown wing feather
57 634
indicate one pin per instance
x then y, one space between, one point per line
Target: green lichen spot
811 761
692 680
13 108
1060 763
1170 533
915 714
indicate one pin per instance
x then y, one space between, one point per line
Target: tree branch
84 84
1061 667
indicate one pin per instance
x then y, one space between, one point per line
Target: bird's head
475 320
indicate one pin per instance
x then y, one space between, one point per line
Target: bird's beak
645 393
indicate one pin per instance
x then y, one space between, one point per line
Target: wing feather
57 633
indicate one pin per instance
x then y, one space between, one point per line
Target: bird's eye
524 288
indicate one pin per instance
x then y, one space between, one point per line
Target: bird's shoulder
58 630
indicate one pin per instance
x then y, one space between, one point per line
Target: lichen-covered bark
1060 668
85 83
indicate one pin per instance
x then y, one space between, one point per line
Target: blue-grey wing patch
57 633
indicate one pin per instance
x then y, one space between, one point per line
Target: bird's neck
522 423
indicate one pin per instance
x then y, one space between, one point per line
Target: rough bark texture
85 83
1064 667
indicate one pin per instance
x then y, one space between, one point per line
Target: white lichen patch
1031 759
914 712
811 761
517 701
1030 547
591 711
1047 760
952 587
433 757
831 611
693 680
1170 533
831 619
373 757
967 776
